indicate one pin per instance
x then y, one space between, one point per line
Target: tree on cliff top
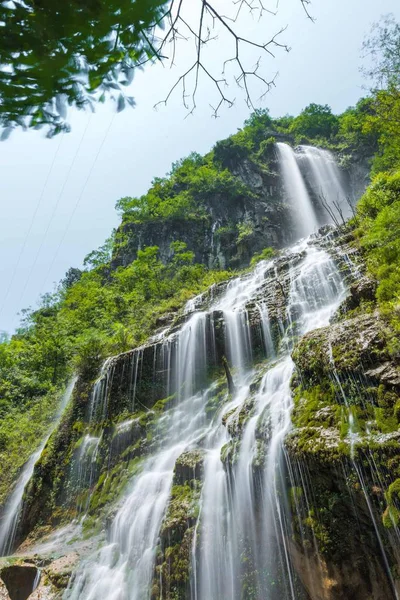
316 120
77 53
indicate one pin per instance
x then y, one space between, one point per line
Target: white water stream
324 176
12 509
303 210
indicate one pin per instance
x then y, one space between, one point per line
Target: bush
265 254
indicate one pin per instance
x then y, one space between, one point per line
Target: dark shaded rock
189 466
361 290
20 580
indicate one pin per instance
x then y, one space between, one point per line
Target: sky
58 195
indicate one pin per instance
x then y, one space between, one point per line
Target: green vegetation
21 430
265 254
53 59
184 193
379 232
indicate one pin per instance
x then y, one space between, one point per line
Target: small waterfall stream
13 507
324 176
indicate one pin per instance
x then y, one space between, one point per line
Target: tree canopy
54 54
316 120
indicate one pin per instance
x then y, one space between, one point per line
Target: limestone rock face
265 212
346 422
172 572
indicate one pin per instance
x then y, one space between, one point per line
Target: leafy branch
80 53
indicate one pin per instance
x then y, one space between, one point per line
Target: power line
30 226
78 201
55 208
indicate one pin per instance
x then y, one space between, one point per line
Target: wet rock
358 344
388 373
20 580
165 319
172 570
326 415
359 580
189 466
361 290
307 442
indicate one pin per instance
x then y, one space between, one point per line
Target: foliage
184 194
265 254
245 231
102 255
379 227
21 430
382 50
315 121
70 53
246 142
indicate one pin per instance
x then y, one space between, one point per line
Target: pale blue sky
57 196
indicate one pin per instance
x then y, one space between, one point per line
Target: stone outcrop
346 421
172 571
265 212
20 580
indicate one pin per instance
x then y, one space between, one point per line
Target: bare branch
306 4
209 19
328 208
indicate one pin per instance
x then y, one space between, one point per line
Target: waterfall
14 504
324 176
124 567
240 544
244 507
243 504
304 214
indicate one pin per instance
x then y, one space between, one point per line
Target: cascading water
243 506
124 567
244 515
304 214
324 176
13 507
